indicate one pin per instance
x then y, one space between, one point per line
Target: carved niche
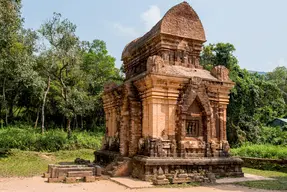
194 117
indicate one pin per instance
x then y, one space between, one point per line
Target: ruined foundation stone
169 113
71 173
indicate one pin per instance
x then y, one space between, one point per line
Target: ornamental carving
169 115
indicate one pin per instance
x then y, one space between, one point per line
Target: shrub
261 151
274 136
52 140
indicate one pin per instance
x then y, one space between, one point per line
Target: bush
27 138
274 136
261 151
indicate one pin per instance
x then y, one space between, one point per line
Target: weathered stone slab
54 180
161 182
80 173
90 179
60 171
180 180
71 179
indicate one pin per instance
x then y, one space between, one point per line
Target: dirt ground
38 184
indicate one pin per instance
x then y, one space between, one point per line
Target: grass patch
26 163
261 151
279 184
272 174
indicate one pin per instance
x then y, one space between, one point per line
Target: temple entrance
195 129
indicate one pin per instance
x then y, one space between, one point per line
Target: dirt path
38 184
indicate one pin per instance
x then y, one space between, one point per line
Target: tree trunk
11 113
4 102
69 127
76 122
37 119
44 103
82 123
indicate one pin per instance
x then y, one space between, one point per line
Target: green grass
26 163
261 151
280 182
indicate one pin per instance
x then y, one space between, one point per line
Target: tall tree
10 23
279 77
65 47
254 100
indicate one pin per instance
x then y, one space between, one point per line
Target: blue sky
257 28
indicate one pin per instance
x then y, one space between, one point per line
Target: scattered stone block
54 180
71 179
90 179
98 170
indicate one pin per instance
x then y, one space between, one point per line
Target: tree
254 101
64 79
10 23
64 46
17 61
279 77
99 68
218 54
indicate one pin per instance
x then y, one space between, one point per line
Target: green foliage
273 136
261 151
61 85
254 101
279 77
218 54
53 140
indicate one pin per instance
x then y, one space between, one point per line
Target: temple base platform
146 168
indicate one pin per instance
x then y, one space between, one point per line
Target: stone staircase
119 168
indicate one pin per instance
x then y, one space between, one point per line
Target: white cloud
126 31
151 16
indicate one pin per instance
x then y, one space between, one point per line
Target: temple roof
181 21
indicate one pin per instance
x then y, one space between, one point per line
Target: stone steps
118 168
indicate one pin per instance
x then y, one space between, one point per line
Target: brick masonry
169 108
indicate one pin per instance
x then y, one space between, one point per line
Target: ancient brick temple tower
169 113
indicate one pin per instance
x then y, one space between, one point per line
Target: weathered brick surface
169 106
